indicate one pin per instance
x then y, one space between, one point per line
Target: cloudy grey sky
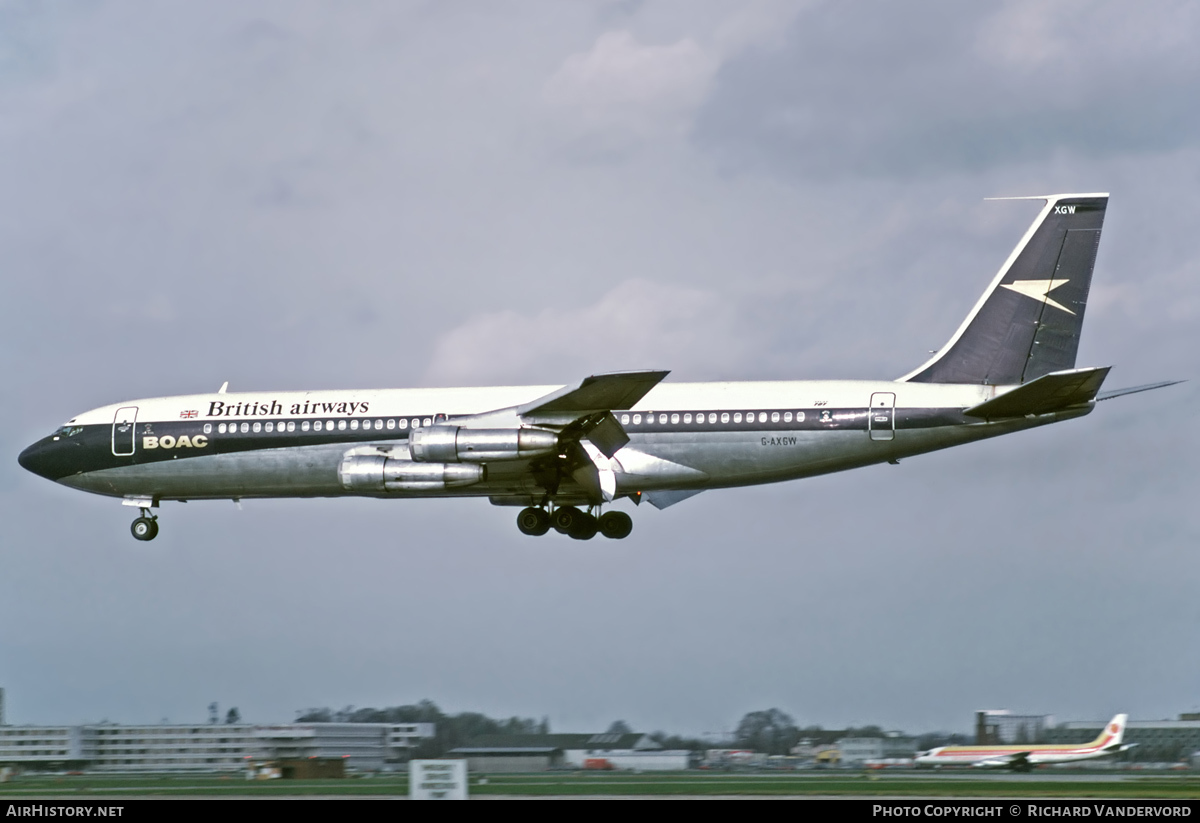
302 195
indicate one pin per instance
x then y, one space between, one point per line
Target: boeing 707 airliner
565 454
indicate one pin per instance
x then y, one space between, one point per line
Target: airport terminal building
109 747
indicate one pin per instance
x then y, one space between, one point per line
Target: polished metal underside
650 462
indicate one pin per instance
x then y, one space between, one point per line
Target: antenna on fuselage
224 386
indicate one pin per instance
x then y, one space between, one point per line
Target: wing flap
608 435
1048 393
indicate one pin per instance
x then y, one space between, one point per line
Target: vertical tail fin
1028 322
1112 734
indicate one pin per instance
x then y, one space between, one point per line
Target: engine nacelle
381 473
454 444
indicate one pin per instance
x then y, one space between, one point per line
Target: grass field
824 784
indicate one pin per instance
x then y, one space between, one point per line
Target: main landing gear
574 523
145 527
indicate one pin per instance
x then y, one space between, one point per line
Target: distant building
808 748
1155 740
363 746
540 752
38 745
993 726
733 759
892 746
827 756
111 747
898 745
857 750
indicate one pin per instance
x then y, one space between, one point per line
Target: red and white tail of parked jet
1025 757
567 455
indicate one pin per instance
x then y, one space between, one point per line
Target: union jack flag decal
192 413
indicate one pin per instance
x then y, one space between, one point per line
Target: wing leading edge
600 392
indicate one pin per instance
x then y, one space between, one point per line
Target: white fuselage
1026 756
683 436
997 756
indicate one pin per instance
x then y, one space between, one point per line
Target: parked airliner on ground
1025 757
1010 366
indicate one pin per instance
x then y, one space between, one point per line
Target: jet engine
454 444
381 473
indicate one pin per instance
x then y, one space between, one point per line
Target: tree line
451 730
772 731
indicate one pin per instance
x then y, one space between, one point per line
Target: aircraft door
123 434
881 416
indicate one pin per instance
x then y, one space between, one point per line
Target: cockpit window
69 431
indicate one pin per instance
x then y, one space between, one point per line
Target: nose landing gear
145 527
574 523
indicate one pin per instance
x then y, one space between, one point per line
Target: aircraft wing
1016 760
1050 392
585 410
600 392
1019 761
579 413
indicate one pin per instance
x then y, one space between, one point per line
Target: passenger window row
270 426
402 423
687 418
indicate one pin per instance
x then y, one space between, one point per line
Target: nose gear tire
144 528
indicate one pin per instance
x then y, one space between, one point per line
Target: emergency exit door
881 416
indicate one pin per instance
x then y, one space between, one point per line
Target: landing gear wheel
565 519
533 521
585 528
144 528
616 525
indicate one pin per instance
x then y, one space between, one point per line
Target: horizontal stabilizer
600 392
1109 395
1048 393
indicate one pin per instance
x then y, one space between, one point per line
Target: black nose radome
46 459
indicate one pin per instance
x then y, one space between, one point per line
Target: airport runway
897 785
